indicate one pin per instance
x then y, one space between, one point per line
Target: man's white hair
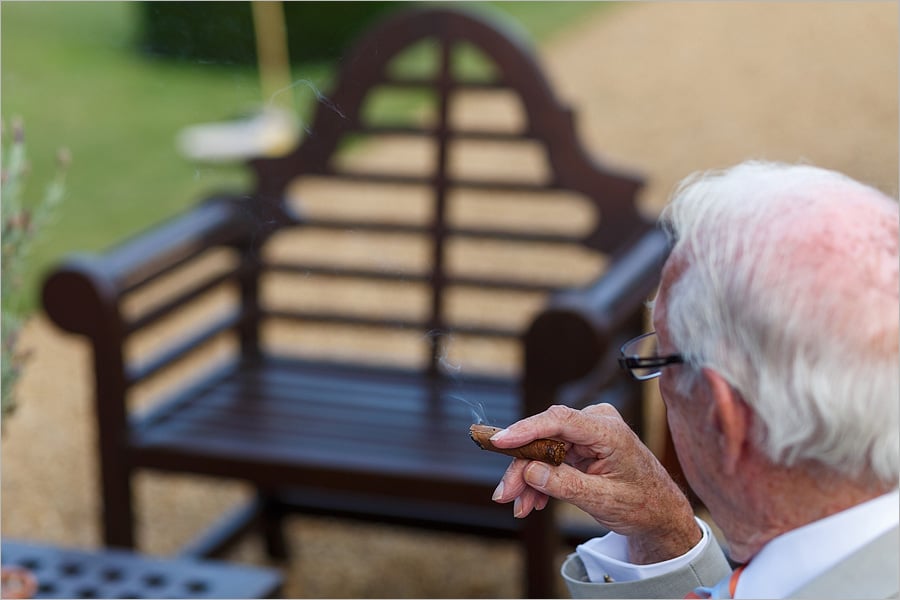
790 292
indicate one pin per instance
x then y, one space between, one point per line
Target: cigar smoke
477 408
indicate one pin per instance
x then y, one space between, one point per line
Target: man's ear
730 418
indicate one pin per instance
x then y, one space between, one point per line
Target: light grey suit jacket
871 572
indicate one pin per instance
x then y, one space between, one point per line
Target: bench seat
293 421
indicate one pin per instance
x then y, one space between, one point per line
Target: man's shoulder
870 572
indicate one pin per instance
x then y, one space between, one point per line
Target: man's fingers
529 500
512 484
531 484
558 422
604 409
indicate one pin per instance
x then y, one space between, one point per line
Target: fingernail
517 508
499 435
498 492
537 474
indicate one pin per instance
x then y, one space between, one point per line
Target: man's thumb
537 475
560 482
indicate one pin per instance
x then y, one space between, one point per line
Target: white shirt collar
794 558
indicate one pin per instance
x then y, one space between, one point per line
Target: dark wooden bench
329 332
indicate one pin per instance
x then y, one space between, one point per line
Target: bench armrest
573 333
82 294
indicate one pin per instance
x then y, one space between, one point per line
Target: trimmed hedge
222 32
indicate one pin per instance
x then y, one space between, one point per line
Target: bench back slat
353 144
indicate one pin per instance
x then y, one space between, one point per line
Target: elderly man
776 346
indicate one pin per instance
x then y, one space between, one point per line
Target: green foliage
222 32
21 222
69 70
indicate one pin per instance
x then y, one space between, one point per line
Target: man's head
783 281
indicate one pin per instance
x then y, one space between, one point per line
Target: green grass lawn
72 72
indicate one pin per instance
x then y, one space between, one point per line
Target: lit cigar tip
481 435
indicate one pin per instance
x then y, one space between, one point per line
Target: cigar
544 450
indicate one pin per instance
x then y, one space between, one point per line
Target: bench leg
225 533
118 509
542 542
271 521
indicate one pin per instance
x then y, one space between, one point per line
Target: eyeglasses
641 359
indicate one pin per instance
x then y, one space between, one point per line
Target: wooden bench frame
568 350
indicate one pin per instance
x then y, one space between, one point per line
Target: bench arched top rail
548 121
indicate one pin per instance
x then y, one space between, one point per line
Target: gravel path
665 88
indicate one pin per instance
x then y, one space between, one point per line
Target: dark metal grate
68 573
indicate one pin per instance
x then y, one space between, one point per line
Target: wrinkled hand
608 473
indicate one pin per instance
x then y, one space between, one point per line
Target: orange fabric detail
732 583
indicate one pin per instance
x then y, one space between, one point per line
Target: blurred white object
272 131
